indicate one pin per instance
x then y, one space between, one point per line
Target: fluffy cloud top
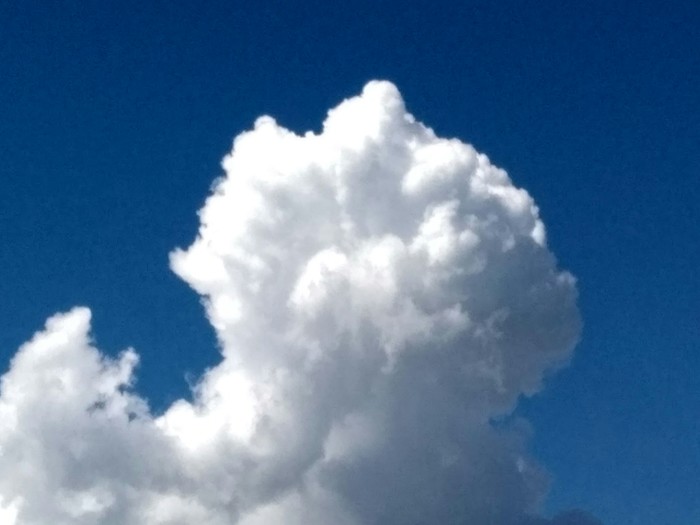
381 295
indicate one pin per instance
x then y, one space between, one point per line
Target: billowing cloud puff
382 298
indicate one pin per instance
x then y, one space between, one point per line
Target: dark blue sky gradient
115 116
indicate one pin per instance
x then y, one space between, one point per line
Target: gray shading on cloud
381 296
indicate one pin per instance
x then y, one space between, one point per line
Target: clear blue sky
115 115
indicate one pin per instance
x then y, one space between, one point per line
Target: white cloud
380 295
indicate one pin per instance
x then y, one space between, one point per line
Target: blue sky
116 116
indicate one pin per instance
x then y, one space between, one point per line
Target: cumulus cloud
382 298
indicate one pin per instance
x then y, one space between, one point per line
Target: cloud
382 298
